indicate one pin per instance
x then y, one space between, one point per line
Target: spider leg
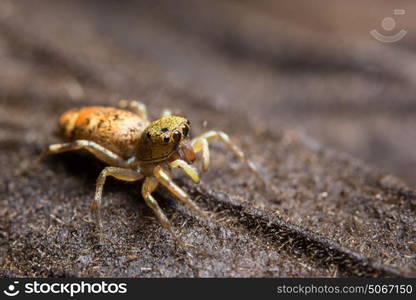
200 144
166 181
166 112
137 107
188 169
119 173
99 151
148 187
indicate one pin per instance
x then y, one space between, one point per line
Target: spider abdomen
115 129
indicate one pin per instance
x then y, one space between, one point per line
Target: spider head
162 138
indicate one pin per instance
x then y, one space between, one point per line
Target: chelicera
136 148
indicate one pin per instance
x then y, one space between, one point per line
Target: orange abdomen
115 129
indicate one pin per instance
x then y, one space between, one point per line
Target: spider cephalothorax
162 138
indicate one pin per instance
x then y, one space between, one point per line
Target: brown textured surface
288 82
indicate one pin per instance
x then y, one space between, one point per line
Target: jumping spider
135 148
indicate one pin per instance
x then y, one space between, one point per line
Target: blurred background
312 66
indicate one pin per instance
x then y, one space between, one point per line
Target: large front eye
176 135
185 130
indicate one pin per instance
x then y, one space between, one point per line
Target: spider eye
176 134
185 130
166 139
148 135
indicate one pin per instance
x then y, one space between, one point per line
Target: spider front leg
137 107
119 173
188 169
166 181
166 112
149 185
99 151
201 144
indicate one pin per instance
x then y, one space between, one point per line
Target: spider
136 148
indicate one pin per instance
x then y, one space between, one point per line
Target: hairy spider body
135 148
